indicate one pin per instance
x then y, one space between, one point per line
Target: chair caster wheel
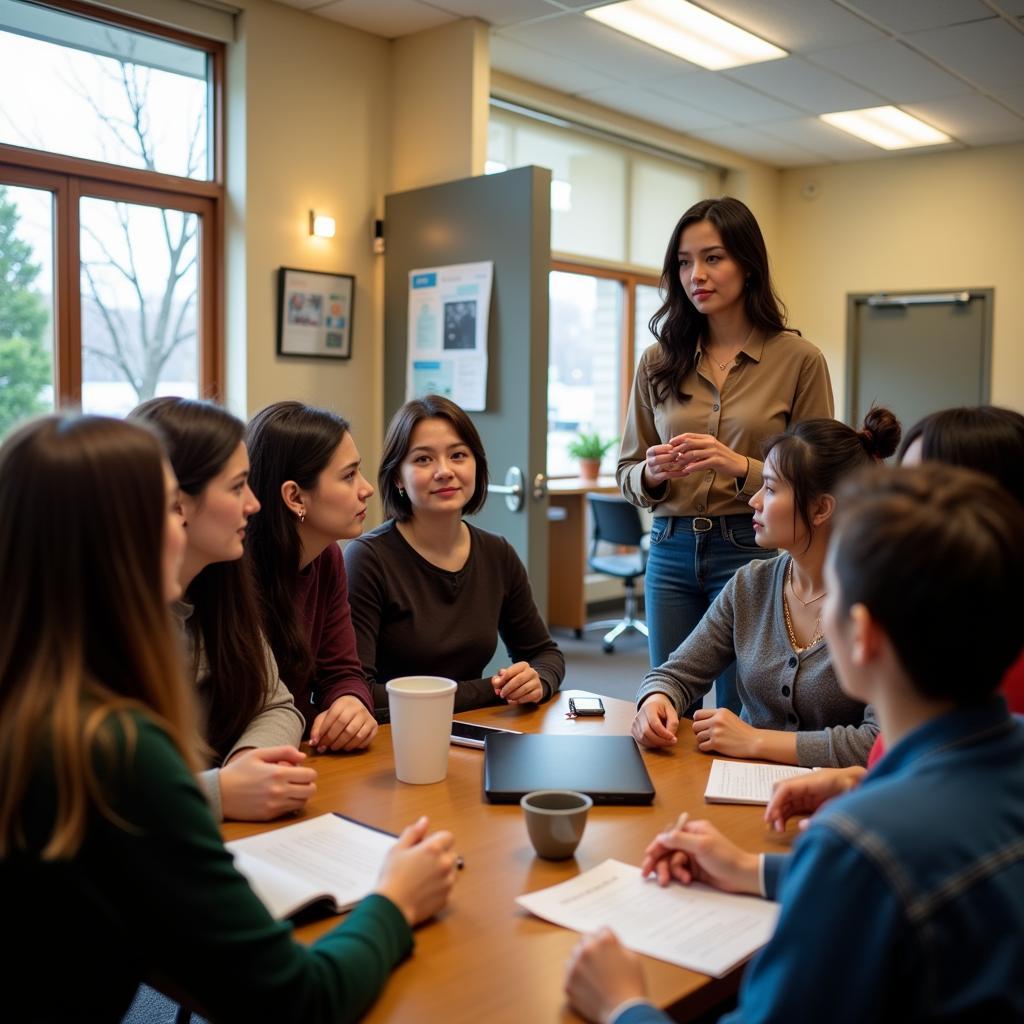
578 633
608 648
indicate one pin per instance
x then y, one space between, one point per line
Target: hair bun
880 433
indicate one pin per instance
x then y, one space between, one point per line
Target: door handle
512 489
540 487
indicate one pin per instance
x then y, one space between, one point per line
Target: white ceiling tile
588 42
988 52
795 25
811 134
712 91
914 15
805 86
973 119
1014 7
390 20
1011 95
753 144
659 110
498 12
891 70
556 73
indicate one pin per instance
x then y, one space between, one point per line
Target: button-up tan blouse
775 381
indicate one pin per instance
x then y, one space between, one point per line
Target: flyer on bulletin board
448 312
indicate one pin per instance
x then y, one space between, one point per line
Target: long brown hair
678 324
286 441
87 635
200 437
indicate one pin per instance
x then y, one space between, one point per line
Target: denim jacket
905 899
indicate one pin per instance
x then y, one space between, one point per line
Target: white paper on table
692 926
743 782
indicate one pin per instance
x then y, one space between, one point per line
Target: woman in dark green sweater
111 865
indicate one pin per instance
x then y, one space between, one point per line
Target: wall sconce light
320 225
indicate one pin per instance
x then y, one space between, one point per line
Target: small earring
302 516
401 492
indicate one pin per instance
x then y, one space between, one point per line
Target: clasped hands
518 684
686 454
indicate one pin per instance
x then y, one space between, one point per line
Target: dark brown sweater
412 618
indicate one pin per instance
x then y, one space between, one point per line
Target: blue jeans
686 571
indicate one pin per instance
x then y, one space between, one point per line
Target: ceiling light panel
886 127
686 31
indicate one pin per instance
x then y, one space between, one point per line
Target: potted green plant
590 449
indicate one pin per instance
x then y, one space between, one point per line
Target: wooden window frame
629 279
71 178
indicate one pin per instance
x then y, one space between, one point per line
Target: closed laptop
609 769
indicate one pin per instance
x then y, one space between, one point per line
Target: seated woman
985 438
109 858
251 724
305 473
904 900
431 594
768 618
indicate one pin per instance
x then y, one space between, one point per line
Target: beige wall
307 128
936 221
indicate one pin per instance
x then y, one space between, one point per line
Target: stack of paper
742 782
693 926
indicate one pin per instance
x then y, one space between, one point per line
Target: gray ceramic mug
555 819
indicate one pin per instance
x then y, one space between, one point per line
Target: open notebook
330 859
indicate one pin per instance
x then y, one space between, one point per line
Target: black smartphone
585 707
466 734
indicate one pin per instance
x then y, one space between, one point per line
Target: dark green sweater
161 901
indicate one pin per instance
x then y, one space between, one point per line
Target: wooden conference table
485 959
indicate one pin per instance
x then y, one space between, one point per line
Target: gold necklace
792 588
730 362
816 637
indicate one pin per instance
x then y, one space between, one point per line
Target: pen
681 821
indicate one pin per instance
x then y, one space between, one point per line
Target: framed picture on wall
314 313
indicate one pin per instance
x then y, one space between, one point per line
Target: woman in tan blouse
725 374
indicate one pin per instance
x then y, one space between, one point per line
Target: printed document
693 926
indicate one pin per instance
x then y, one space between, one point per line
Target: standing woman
725 375
102 828
305 472
251 723
430 593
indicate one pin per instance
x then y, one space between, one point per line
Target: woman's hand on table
346 725
724 731
656 722
698 852
805 794
259 784
518 684
602 974
419 872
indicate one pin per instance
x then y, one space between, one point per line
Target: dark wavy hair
984 437
286 441
936 554
399 438
813 456
200 437
678 324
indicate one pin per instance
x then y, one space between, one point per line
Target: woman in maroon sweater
305 470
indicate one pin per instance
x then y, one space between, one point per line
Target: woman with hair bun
768 618
725 374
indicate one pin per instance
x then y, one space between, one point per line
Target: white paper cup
421 725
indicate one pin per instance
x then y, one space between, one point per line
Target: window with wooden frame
111 210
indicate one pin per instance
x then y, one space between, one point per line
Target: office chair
618 522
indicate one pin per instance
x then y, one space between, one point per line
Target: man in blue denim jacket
904 900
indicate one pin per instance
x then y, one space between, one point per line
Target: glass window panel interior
140 296
26 304
102 92
584 379
647 302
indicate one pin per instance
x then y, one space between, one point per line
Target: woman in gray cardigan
768 618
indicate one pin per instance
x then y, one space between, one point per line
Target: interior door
916 353
505 218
